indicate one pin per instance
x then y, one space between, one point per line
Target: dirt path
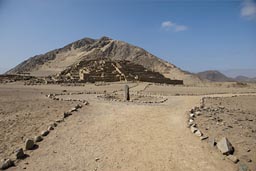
118 136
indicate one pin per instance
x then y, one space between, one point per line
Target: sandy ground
25 113
236 120
106 135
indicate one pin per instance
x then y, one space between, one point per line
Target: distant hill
217 76
213 75
71 55
245 79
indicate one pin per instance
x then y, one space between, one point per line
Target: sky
195 35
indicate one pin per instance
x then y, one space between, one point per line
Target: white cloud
181 28
168 25
248 9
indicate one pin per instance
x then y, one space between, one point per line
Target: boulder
19 153
225 146
6 163
29 144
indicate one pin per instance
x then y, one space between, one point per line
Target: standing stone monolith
126 93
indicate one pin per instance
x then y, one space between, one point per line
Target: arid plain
149 132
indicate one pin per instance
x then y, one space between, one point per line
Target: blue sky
194 35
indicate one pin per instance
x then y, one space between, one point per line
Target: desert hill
59 60
213 75
217 76
245 79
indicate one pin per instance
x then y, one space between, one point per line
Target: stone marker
19 153
225 146
29 144
6 163
126 93
38 138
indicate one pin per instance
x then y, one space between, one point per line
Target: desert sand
112 134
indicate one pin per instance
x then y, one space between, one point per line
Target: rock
212 142
191 121
54 124
6 163
45 133
233 158
50 128
203 138
243 167
221 107
191 115
59 120
78 106
73 109
29 144
198 133
193 129
198 113
38 138
246 158
225 146
66 114
19 153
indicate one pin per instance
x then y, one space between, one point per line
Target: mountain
244 79
71 55
250 72
213 75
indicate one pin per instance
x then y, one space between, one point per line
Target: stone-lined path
114 136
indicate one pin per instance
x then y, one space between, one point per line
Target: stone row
30 144
223 145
